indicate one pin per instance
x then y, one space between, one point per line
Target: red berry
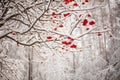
75 4
54 15
86 0
67 1
63 48
70 38
73 46
83 3
49 37
55 29
85 22
89 15
67 14
66 43
99 34
92 22
87 28
110 35
61 25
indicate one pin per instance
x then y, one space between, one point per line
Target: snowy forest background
59 39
